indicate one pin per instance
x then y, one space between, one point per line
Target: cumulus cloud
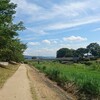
33 43
74 38
46 42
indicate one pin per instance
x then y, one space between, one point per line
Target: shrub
91 89
26 62
53 74
44 68
95 66
61 80
88 63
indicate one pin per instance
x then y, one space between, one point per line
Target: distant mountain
39 57
27 57
46 57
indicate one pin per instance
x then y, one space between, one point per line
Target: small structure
88 55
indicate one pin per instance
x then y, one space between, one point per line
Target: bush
26 62
88 63
96 66
61 80
90 89
53 74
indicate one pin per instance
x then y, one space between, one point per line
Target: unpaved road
17 87
29 84
43 88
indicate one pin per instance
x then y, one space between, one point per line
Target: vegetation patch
79 79
6 72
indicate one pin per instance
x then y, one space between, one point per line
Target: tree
34 57
80 52
9 44
94 48
17 48
65 52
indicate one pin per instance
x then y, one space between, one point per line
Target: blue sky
54 24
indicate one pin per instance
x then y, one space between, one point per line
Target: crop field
81 79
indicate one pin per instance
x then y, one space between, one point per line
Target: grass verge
79 79
6 72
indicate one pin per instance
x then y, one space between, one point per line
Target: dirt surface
17 87
29 84
44 89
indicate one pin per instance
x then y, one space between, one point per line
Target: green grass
6 72
85 76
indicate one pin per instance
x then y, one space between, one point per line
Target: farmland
80 79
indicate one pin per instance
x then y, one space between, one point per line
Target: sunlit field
82 79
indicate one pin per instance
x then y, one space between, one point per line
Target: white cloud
74 38
33 43
56 11
26 7
41 52
27 51
60 13
70 9
46 42
87 20
37 31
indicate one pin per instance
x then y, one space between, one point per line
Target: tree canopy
65 52
92 48
11 48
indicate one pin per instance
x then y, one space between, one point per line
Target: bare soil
17 87
44 89
29 84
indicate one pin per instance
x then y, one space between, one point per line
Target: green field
77 78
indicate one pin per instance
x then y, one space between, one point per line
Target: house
88 55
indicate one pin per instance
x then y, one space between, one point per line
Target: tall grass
83 78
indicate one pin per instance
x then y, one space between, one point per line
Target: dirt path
17 87
43 88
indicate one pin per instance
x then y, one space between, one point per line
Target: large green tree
65 52
10 46
80 52
94 48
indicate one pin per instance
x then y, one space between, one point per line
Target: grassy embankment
79 79
6 72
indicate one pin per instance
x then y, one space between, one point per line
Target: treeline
11 48
92 49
